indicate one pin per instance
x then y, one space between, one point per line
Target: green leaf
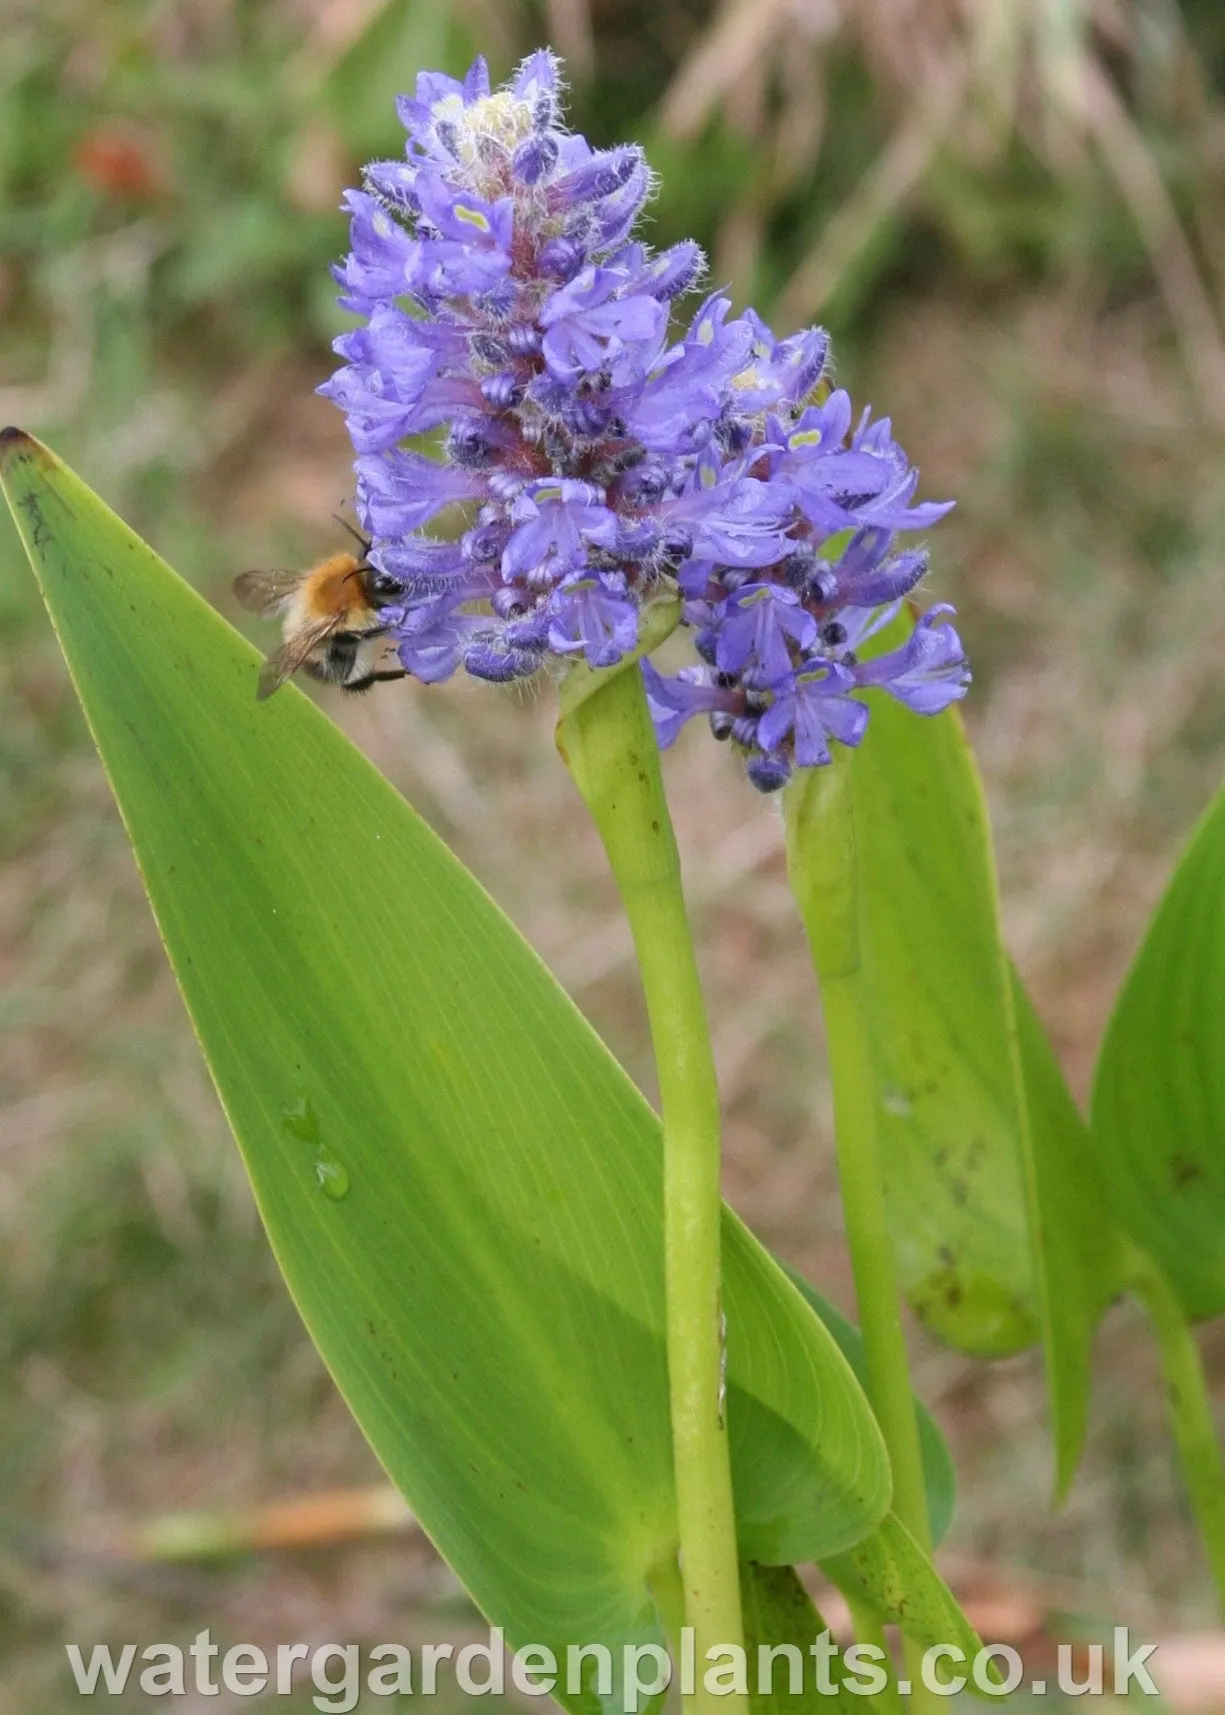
939 1473
1158 1111
888 1571
1158 1120
988 1165
950 1114
461 1186
1085 1262
1189 1405
891 1574
979 1126
778 1611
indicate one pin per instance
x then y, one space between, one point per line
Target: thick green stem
1199 1450
821 861
606 739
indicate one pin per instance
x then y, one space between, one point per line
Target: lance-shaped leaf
461 1186
790 1678
988 1171
1159 1089
1083 1255
890 1573
950 1109
1158 1135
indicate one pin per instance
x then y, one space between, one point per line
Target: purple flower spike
586 457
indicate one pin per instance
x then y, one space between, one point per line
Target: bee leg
368 679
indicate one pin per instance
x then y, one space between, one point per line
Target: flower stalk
606 739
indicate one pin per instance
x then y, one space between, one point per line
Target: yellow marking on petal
707 477
543 495
472 217
805 438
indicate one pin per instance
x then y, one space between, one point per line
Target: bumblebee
331 622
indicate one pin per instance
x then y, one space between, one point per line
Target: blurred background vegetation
1011 214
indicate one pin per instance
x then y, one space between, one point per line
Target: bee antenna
363 541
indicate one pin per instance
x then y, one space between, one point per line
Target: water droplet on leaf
301 1123
332 1177
298 1119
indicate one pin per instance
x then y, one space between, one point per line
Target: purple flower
739 522
869 575
431 637
398 491
687 390
757 629
694 690
780 372
593 613
928 672
808 707
555 521
587 457
589 320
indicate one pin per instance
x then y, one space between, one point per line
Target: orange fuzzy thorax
335 587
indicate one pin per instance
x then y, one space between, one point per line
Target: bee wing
266 592
294 653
